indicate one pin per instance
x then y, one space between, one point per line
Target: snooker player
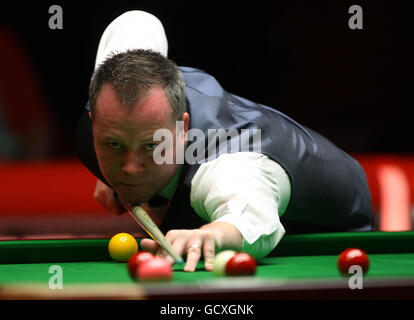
297 181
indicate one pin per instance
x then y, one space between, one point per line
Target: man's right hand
107 198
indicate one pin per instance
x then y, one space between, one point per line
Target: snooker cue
139 214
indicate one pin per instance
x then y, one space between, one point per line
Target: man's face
124 145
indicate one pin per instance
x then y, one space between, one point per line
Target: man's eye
150 146
114 145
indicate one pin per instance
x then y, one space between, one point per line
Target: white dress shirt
132 30
247 190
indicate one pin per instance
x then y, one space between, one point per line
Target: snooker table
301 267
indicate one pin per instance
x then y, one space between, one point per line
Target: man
268 175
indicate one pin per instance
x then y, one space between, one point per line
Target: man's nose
132 164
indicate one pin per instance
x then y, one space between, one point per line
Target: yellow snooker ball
122 246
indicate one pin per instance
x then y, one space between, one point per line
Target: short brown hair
133 73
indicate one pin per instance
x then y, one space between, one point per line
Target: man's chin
134 200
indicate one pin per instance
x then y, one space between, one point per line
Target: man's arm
242 196
106 197
247 190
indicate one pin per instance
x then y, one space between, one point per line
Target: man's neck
169 190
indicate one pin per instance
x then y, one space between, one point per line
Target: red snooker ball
156 269
351 257
241 264
136 260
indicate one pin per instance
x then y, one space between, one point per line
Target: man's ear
186 119
90 115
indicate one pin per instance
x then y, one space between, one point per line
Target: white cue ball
220 261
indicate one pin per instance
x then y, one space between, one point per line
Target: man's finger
209 248
164 254
149 245
171 236
193 256
179 246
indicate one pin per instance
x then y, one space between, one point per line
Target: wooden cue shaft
152 229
